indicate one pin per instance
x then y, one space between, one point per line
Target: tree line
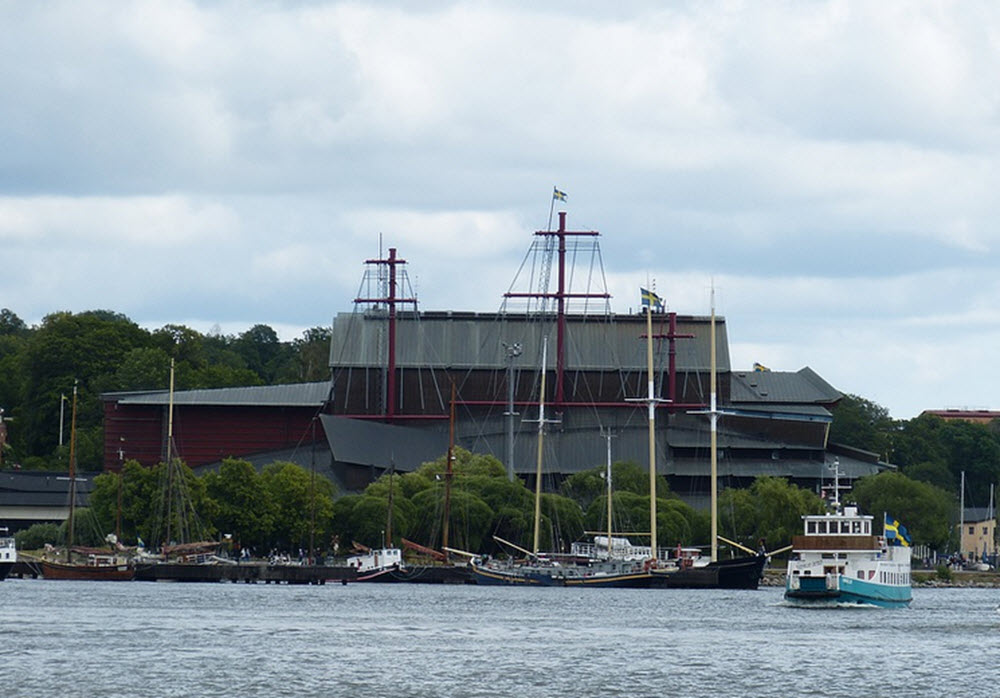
102 351
287 508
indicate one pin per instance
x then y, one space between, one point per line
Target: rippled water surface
147 639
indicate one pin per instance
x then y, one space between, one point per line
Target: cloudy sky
831 167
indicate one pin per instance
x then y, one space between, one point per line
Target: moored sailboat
99 565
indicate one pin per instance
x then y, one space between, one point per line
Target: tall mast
561 295
538 459
170 465
609 435
72 479
651 410
713 413
714 419
391 299
448 474
961 514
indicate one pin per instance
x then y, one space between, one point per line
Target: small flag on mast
651 300
558 195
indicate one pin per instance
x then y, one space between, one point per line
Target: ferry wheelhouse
840 560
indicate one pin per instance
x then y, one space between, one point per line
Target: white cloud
831 164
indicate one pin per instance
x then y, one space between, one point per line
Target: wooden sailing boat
736 573
555 569
99 565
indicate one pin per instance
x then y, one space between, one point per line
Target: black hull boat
738 573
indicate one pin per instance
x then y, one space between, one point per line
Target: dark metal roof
292 395
476 341
978 514
804 387
42 488
362 442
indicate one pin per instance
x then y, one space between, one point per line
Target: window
972 530
810 527
855 527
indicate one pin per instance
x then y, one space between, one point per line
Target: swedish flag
896 533
558 195
650 299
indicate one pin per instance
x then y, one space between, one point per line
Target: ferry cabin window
821 526
855 527
845 526
868 528
810 527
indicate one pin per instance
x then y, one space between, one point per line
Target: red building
271 422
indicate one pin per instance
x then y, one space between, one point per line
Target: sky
830 168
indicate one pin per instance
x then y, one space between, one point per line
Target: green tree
294 491
770 510
244 509
139 491
862 424
925 510
588 485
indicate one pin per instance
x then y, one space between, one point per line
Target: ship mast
713 413
538 459
448 473
561 295
391 299
72 479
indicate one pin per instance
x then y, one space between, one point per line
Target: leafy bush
36 536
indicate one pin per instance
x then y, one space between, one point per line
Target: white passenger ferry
840 560
8 553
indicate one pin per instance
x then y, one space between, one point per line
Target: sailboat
556 569
688 570
99 565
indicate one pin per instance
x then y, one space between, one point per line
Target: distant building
977 533
36 496
980 416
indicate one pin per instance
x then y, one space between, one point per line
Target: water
146 639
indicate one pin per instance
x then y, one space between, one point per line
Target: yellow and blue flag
558 195
650 299
895 532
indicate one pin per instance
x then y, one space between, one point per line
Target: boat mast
609 435
961 514
713 413
713 420
170 466
538 458
72 479
651 412
448 474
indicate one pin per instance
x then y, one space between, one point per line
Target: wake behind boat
840 560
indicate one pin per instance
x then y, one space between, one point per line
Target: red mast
390 300
560 296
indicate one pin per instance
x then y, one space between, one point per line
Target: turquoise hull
812 591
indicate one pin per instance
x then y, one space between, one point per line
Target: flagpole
552 207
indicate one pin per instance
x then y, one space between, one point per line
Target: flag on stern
895 532
651 300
